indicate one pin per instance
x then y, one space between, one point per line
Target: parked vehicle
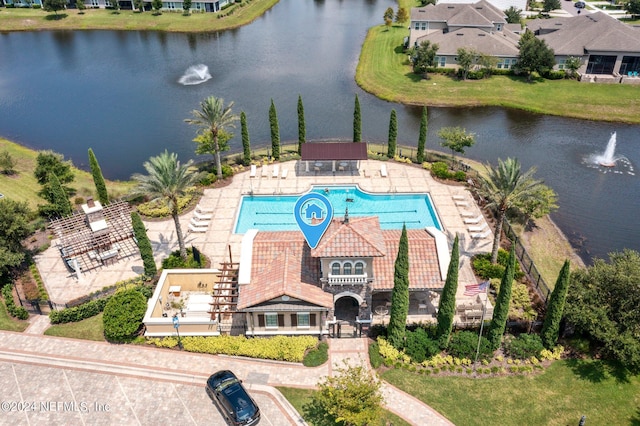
232 399
580 4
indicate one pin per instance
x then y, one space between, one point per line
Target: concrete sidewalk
190 368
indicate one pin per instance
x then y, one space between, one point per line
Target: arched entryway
347 306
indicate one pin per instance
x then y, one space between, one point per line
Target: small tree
388 15
207 145
139 4
186 7
402 15
400 294
157 6
81 6
98 179
534 55
14 228
555 309
122 316
422 138
275 132
59 204
246 144
302 131
393 134
7 163
549 5
447 306
350 397
487 63
513 14
144 245
52 162
456 139
466 58
115 5
54 5
424 56
501 310
633 7
357 121
571 66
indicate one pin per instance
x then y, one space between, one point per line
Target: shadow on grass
55 17
414 77
596 371
635 420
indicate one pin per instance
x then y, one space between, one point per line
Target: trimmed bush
464 344
123 315
15 311
159 208
483 267
78 313
375 358
144 245
524 346
440 170
419 346
175 261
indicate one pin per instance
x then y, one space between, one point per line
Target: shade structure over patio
323 152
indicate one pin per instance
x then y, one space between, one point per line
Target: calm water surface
118 93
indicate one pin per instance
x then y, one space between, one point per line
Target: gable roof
496 44
360 237
586 33
424 269
481 13
313 151
281 265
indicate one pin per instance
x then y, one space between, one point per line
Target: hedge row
282 348
42 291
78 313
15 311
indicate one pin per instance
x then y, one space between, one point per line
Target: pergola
343 153
95 236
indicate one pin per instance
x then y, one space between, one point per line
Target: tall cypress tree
302 131
400 294
422 139
357 122
59 204
246 145
501 310
275 132
144 245
551 327
447 306
393 134
98 179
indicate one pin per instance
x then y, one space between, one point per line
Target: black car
232 399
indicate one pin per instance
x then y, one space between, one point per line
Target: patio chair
481 235
478 228
285 172
276 171
265 171
383 170
473 220
252 174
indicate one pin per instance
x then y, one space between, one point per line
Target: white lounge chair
252 173
478 228
276 171
458 197
193 228
480 235
201 209
460 203
198 223
285 172
383 170
202 216
468 214
265 171
473 220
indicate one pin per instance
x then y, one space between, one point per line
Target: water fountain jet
608 158
195 74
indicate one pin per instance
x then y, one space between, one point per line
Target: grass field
88 329
7 322
101 19
384 70
562 394
299 397
22 186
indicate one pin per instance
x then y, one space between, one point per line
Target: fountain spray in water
195 74
607 159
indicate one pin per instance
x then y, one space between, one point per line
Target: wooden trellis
225 291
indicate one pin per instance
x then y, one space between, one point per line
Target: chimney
90 202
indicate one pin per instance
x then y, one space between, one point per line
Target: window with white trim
303 320
562 63
335 268
271 320
347 268
359 268
424 26
416 26
171 5
440 61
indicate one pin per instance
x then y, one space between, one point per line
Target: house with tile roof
285 287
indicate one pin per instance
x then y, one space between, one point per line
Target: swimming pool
275 212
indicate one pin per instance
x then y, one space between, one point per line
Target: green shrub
78 313
464 344
555 75
419 346
123 315
175 261
440 170
15 311
159 209
460 176
316 356
375 358
483 267
42 291
524 346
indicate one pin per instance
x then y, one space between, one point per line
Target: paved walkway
190 368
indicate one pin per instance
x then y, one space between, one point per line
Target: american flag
473 289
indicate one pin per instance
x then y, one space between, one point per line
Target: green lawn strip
7 322
299 397
384 70
23 19
87 329
22 186
559 396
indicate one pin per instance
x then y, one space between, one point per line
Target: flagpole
484 310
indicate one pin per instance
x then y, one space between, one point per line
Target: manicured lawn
7 322
23 186
33 19
299 397
384 70
559 396
88 329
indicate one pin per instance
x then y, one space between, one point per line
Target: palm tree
167 180
213 117
505 187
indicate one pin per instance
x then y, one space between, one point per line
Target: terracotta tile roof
424 271
282 265
361 237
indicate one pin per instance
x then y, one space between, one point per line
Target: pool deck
450 202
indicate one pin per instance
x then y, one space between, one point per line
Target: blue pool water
275 213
